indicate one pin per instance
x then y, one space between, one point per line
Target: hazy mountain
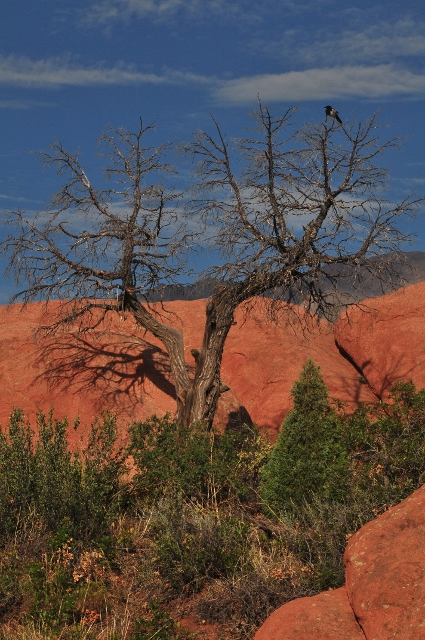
411 271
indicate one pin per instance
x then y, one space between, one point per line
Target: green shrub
103 492
17 476
194 545
195 461
165 454
52 595
310 456
57 474
61 587
46 481
387 444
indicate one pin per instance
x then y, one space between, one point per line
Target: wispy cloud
3 196
108 11
378 81
378 43
24 104
56 72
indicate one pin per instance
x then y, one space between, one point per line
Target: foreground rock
384 594
327 616
385 572
385 338
127 371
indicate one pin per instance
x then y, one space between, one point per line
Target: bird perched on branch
333 113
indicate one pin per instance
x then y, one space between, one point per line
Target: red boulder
385 572
327 616
384 594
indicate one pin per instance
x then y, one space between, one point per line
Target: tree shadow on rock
113 369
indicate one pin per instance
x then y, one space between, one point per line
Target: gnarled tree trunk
197 396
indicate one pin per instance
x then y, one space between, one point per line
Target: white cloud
378 43
107 10
321 84
3 196
56 72
379 81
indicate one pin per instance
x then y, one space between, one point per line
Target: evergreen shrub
310 456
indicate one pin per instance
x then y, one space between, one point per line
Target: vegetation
310 457
123 543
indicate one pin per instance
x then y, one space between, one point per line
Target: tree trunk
206 386
197 397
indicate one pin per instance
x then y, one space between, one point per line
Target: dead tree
305 210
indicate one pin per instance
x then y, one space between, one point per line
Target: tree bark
206 386
197 397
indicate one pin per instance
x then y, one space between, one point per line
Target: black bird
333 113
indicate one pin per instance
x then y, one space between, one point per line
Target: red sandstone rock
262 360
385 572
327 616
127 371
384 595
385 338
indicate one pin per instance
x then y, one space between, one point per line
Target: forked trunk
197 397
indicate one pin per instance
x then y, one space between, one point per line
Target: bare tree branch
293 213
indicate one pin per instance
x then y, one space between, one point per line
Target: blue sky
68 69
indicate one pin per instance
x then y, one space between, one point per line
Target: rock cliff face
127 371
384 594
385 338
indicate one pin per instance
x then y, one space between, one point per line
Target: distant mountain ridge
412 272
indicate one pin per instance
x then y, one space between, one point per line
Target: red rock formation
384 595
327 616
385 572
262 360
127 371
385 338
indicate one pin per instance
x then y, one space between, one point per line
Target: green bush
104 494
194 545
44 480
17 474
52 595
165 454
310 456
387 445
195 461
